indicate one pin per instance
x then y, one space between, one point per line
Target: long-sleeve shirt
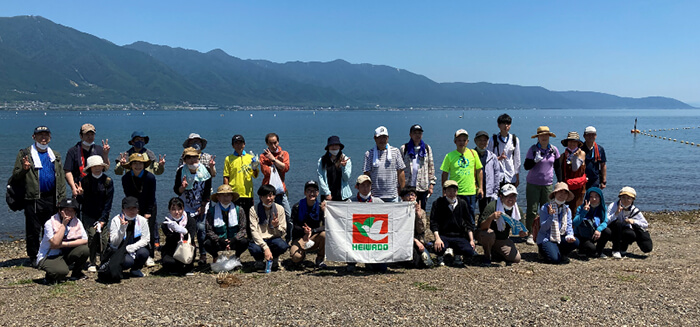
510 166
143 188
546 222
117 233
96 200
451 222
260 233
424 167
633 213
324 184
492 174
196 196
266 166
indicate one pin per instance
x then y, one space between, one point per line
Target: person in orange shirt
274 164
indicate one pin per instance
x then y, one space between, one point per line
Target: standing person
363 184
539 161
226 224
138 143
420 168
177 227
384 165
63 244
141 184
268 227
96 204
275 161
76 158
193 186
491 171
421 255
239 170
591 224
130 229
464 167
199 143
507 148
39 169
555 239
627 224
309 233
573 168
494 232
334 169
452 223
596 169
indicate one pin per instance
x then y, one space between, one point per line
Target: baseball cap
508 189
237 138
87 128
311 183
363 178
481 133
41 129
461 131
450 183
416 127
589 130
130 202
68 203
381 130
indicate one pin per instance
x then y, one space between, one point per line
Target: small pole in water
635 131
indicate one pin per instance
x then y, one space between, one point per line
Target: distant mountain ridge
44 61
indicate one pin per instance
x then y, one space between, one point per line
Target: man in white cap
384 164
464 167
199 143
596 170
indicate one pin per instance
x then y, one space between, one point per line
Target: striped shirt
385 179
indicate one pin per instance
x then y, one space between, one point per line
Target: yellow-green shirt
240 174
462 169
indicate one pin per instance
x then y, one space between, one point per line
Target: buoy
674 140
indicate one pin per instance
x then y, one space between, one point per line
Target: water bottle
254 164
268 266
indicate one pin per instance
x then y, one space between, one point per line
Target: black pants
246 204
155 235
623 236
592 248
171 265
36 213
213 248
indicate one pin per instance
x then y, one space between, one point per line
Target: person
96 196
130 229
268 227
591 224
39 169
421 255
363 184
199 143
141 184
555 239
76 158
494 232
573 168
239 170
420 168
491 171
627 224
64 244
308 231
177 227
507 148
452 223
464 167
596 168
193 186
225 224
138 143
273 161
539 161
384 165
334 169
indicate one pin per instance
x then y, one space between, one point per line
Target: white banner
369 232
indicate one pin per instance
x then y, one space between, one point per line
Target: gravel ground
660 289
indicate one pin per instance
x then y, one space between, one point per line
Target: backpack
496 144
15 191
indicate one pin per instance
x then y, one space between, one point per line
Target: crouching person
452 223
268 226
555 238
308 233
226 224
590 224
178 226
494 232
64 243
627 224
421 256
129 236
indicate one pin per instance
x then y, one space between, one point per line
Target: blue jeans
201 231
282 200
276 244
138 262
553 252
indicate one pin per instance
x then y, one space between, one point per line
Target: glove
538 157
177 228
131 248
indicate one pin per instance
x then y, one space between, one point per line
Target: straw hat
572 136
628 191
561 186
93 161
224 189
139 157
543 130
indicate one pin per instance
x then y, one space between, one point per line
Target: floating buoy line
649 132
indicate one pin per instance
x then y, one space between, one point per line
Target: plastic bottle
268 266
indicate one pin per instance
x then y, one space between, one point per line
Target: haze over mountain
44 61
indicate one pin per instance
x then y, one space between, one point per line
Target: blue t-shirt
593 166
47 174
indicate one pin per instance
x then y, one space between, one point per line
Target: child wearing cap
239 170
452 223
96 196
64 243
555 239
193 186
308 233
363 184
627 224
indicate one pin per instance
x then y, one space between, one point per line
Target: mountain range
44 61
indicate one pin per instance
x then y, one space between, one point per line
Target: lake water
664 173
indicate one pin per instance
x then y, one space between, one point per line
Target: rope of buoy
646 133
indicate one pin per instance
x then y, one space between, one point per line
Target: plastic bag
226 264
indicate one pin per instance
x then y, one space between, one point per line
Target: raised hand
184 183
551 209
212 163
503 155
161 160
25 163
105 146
344 161
122 159
79 188
587 205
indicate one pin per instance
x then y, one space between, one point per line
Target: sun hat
461 131
68 203
130 202
94 160
333 140
542 130
508 189
139 134
194 136
363 178
87 128
561 186
450 183
190 152
140 157
416 127
572 136
381 130
589 130
41 129
224 189
628 191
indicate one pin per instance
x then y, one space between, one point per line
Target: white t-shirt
45 249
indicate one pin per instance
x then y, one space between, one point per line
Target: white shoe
150 262
441 261
92 269
617 255
449 252
530 240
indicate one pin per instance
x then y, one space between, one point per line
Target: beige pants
503 248
298 253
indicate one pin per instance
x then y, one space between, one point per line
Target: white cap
508 189
461 132
589 130
381 130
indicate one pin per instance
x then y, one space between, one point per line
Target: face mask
193 166
41 146
97 176
197 146
365 197
88 144
509 208
225 206
334 152
559 202
480 150
139 144
129 218
267 205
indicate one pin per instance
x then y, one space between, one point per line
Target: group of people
71 231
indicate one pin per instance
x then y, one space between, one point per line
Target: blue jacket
598 212
492 174
546 223
346 191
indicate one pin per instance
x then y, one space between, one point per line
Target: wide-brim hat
543 130
333 140
140 157
224 189
68 203
138 134
93 161
194 136
572 136
628 191
561 186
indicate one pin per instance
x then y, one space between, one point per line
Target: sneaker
259 264
321 264
150 262
458 261
617 255
530 240
486 262
92 269
449 253
79 276
602 256
441 261
136 273
189 274
32 262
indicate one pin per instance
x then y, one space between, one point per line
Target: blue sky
627 48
